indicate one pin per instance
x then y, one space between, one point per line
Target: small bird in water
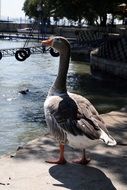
71 118
24 92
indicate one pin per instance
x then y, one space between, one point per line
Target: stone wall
113 48
12 27
110 59
108 69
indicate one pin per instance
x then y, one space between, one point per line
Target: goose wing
76 115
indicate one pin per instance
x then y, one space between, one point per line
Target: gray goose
71 118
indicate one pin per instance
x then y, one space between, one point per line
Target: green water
105 95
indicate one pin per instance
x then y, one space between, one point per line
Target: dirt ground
27 170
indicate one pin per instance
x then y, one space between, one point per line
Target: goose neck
60 82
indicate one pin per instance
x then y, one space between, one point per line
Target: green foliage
72 9
37 8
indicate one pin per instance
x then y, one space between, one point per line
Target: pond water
21 116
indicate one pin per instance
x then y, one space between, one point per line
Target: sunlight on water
21 116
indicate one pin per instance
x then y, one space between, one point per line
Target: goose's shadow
74 177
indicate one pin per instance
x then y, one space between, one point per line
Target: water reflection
22 116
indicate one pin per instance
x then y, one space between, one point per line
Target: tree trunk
79 22
103 20
112 23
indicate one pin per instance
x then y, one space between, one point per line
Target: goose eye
58 39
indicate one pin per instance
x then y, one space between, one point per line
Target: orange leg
83 160
61 159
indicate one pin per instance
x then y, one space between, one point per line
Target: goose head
59 43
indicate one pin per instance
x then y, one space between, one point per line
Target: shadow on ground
75 177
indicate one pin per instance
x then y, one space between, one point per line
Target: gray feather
75 115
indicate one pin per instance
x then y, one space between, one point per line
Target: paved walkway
27 170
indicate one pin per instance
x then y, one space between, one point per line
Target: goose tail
107 139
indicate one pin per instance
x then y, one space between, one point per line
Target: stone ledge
108 68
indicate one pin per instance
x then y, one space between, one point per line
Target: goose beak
47 42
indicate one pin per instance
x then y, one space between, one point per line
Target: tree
121 11
37 8
73 9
